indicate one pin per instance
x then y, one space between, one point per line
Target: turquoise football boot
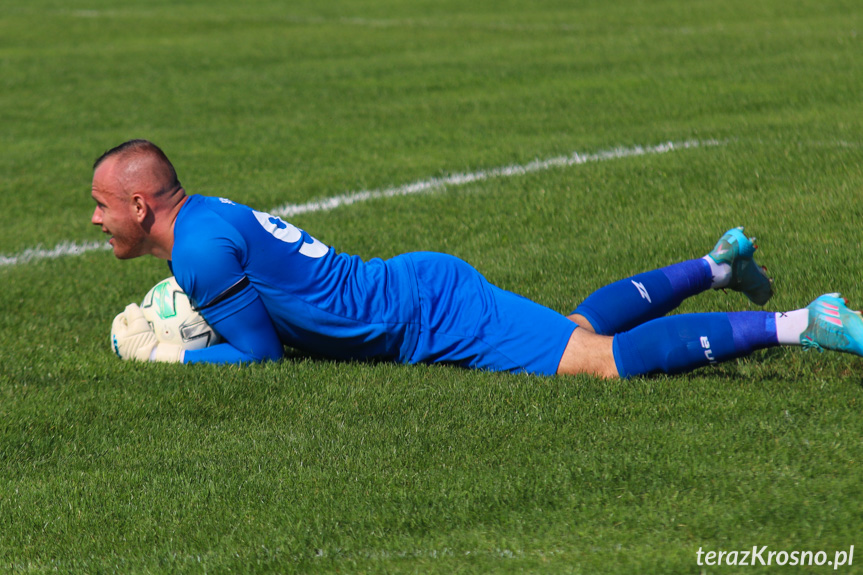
833 326
735 249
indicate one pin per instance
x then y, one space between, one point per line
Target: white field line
575 159
433 184
60 250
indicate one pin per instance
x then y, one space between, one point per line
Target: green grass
308 465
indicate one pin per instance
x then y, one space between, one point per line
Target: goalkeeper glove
133 338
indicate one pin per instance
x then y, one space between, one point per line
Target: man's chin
122 254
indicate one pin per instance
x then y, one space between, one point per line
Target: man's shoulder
204 225
197 206
203 215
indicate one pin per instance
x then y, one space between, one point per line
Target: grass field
307 465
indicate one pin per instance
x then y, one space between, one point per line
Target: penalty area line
67 248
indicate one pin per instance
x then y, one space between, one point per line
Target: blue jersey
226 255
260 281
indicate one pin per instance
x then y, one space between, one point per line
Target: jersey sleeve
208 263
251 338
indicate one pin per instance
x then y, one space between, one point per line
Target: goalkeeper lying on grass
262 283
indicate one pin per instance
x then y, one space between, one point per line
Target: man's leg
681 343
674 344
627 303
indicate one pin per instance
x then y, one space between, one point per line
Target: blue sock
681 343
620 306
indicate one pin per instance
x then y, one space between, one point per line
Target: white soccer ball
174 320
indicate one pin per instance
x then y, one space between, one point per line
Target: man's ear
140 207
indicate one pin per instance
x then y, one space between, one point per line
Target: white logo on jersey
708 353
642 290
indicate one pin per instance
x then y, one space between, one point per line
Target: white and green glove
133 338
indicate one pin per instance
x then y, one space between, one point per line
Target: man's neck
163 244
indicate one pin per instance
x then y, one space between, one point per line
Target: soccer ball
174 320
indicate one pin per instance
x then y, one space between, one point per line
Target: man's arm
250 335
208 262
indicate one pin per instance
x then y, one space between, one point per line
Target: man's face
115 213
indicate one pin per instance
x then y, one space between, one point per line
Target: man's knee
588 353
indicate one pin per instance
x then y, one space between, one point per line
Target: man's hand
133 338
131 334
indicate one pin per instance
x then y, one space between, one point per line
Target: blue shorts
467 321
